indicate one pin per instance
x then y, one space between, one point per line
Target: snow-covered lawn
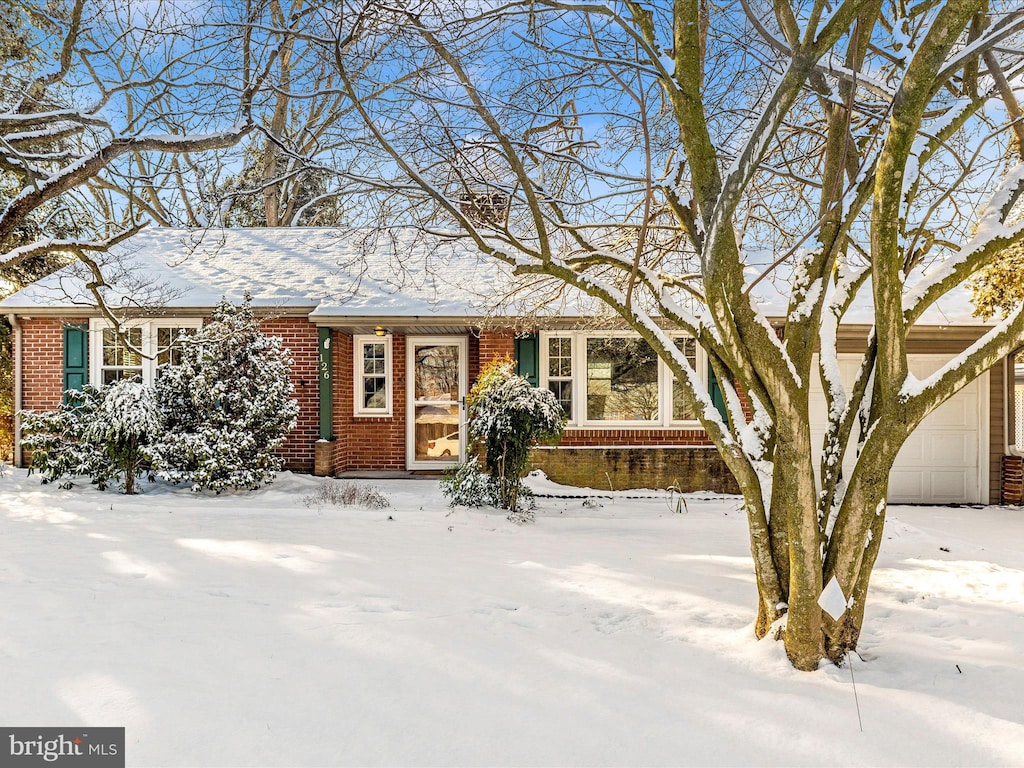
252 630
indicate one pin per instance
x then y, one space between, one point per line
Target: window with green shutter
527 358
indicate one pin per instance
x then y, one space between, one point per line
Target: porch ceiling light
380 331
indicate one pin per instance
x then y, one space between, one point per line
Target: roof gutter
16 327
341 321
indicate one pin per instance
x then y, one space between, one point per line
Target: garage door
943 460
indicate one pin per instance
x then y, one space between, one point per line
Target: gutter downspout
16 327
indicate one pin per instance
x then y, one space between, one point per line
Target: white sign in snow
832 600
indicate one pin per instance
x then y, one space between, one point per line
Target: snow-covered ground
252 630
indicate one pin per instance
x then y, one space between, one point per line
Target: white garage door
943 460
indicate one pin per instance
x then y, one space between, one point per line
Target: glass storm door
437 389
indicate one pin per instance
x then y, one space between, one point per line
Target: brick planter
1013 479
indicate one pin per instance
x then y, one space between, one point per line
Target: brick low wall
1013 480
688 469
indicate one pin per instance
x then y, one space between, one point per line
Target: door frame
411 342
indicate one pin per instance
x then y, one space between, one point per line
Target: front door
437 390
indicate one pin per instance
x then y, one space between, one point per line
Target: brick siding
668 456
367 442
493 344
685 469
300 339
43 362
43 375
577 437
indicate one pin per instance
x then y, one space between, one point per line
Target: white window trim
357 377
544 366
577 419
1016 448
149 347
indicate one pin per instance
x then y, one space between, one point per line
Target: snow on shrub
228 405
99 433
123 424
339 493
467 485
507 417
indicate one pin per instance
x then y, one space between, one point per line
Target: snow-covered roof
326 271
343 273
953 309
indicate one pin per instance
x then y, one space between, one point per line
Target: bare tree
673 160
101 104
287 172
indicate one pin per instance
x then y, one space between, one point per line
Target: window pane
119 374
559 357
563 393
689 348
115 352
437 372
373 359
374 393
622 380
437 433
168 345
680 410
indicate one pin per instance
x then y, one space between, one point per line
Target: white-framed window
614 379
557 363
372 379
1017 400
681 412
139 351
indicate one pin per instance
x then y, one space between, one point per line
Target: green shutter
528 359
326 384
717 396
76 357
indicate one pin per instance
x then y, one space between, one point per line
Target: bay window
614 379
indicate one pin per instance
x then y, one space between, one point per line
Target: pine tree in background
228 405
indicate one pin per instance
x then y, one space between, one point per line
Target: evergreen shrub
228 405
507 417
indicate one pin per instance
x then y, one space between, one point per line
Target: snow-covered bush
100 433
467 485
507 417
124 423
228 404
57 441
